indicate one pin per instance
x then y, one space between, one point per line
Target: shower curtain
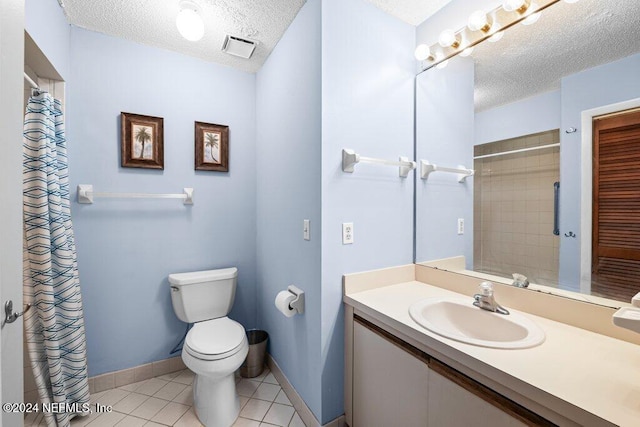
54 326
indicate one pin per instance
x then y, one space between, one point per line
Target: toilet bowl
216 346
214 350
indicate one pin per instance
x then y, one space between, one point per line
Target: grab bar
556 200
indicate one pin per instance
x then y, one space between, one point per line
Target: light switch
306 231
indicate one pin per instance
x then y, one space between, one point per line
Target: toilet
216 346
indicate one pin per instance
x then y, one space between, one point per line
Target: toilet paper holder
298 303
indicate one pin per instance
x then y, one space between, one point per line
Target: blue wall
444 136
126 249
367 105
288 191
46 24
599 86
542 113
342 76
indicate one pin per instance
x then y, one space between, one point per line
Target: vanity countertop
574 372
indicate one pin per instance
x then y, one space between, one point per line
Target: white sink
460 320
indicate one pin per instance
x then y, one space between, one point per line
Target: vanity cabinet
392 383
452 405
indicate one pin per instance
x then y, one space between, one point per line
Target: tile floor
167 401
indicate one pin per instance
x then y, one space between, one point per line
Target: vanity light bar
451 44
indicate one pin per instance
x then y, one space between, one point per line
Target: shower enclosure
515 207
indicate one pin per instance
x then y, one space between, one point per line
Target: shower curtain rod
32 83
522 150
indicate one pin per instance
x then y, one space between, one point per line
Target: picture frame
211 147
141 141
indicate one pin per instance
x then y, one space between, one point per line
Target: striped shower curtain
54 326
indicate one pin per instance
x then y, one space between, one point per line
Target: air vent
238 47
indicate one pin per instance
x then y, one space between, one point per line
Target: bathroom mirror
520 112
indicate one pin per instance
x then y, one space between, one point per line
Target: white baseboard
298 403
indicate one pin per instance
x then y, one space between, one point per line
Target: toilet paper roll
282 303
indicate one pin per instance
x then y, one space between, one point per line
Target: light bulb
571 1
532 18
189 22
422 52
448 39
439 56
496 34
478 21
514 5
496 37
468 51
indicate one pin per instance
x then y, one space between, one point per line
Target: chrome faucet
486 301
520 281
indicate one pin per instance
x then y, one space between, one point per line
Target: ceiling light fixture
531 17
481 26
448 38
189 22
497 36
468 51
478 22
442 63
422 52
519 6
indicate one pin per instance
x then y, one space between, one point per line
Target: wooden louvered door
616 206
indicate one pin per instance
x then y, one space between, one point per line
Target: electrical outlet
306 232
460 225
347 233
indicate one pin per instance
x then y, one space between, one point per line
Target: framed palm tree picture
142 141
212 147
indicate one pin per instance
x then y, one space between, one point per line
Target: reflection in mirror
546 119
513 207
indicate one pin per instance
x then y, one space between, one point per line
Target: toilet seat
215 339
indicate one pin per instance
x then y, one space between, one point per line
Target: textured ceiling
413 12
528 60
567 39
153 23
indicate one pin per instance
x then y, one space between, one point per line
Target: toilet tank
203 295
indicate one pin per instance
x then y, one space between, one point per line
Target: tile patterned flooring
167 400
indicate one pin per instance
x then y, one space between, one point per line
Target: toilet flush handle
174 289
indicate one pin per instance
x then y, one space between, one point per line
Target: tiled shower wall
514 208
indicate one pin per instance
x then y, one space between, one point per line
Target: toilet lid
215 337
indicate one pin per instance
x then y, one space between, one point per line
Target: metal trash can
254 363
